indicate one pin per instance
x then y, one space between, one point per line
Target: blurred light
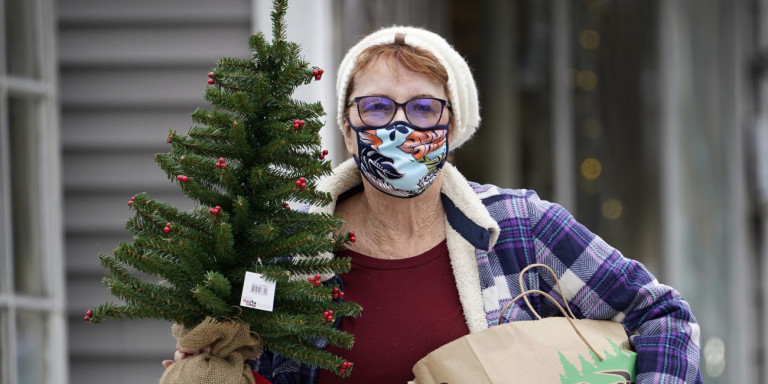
595 8
586 80
591 168
612 209
592 128
589 39
714 357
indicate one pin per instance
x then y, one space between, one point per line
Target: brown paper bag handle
560 307
557 281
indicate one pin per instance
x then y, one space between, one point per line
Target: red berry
169 224
343 370
353 239
302 122
319 71
302 179
322 157
303 185
315 133
317 276
335 295
351 233
217 165
296 125
212 211
335 289
133 198
130 203
330 313
210 74
317 77
298 183
325 314
89 313
211 81
329 318
86 319
318 283
314 72
341 294
180 177
166 229
222 160
311 280
325 151
217 207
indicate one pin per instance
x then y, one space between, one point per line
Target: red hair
411 58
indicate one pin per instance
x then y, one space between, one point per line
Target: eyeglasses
378 111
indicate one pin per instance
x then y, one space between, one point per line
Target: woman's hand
182 353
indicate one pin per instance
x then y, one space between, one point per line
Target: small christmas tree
243 162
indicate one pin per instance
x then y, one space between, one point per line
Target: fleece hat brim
462 91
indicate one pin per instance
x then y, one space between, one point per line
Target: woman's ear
350 138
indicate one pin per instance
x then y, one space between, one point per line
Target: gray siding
129 72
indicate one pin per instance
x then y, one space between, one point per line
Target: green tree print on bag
616 369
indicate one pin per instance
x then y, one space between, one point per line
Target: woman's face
387 78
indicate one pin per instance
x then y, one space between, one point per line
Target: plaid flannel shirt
599 283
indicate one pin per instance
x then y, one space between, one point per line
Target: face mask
400 159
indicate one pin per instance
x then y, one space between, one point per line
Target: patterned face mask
401 159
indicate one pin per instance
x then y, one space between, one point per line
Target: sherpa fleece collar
469 229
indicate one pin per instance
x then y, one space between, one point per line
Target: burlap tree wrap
231 344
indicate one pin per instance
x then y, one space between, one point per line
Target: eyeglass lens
379 111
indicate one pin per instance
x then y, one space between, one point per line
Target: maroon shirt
410 307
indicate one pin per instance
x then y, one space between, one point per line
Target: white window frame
47 213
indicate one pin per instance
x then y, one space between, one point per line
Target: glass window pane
21 38
24 118
31 347
618 184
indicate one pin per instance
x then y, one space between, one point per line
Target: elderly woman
436 256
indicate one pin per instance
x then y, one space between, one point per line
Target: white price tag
258 292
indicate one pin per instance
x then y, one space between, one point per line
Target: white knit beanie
462 91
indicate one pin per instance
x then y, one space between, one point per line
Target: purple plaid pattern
599 283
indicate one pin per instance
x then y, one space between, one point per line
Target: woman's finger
188 351
167 363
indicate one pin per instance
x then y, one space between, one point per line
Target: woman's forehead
386 77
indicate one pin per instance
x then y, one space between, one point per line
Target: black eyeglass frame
443 104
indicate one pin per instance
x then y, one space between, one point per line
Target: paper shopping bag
555 350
